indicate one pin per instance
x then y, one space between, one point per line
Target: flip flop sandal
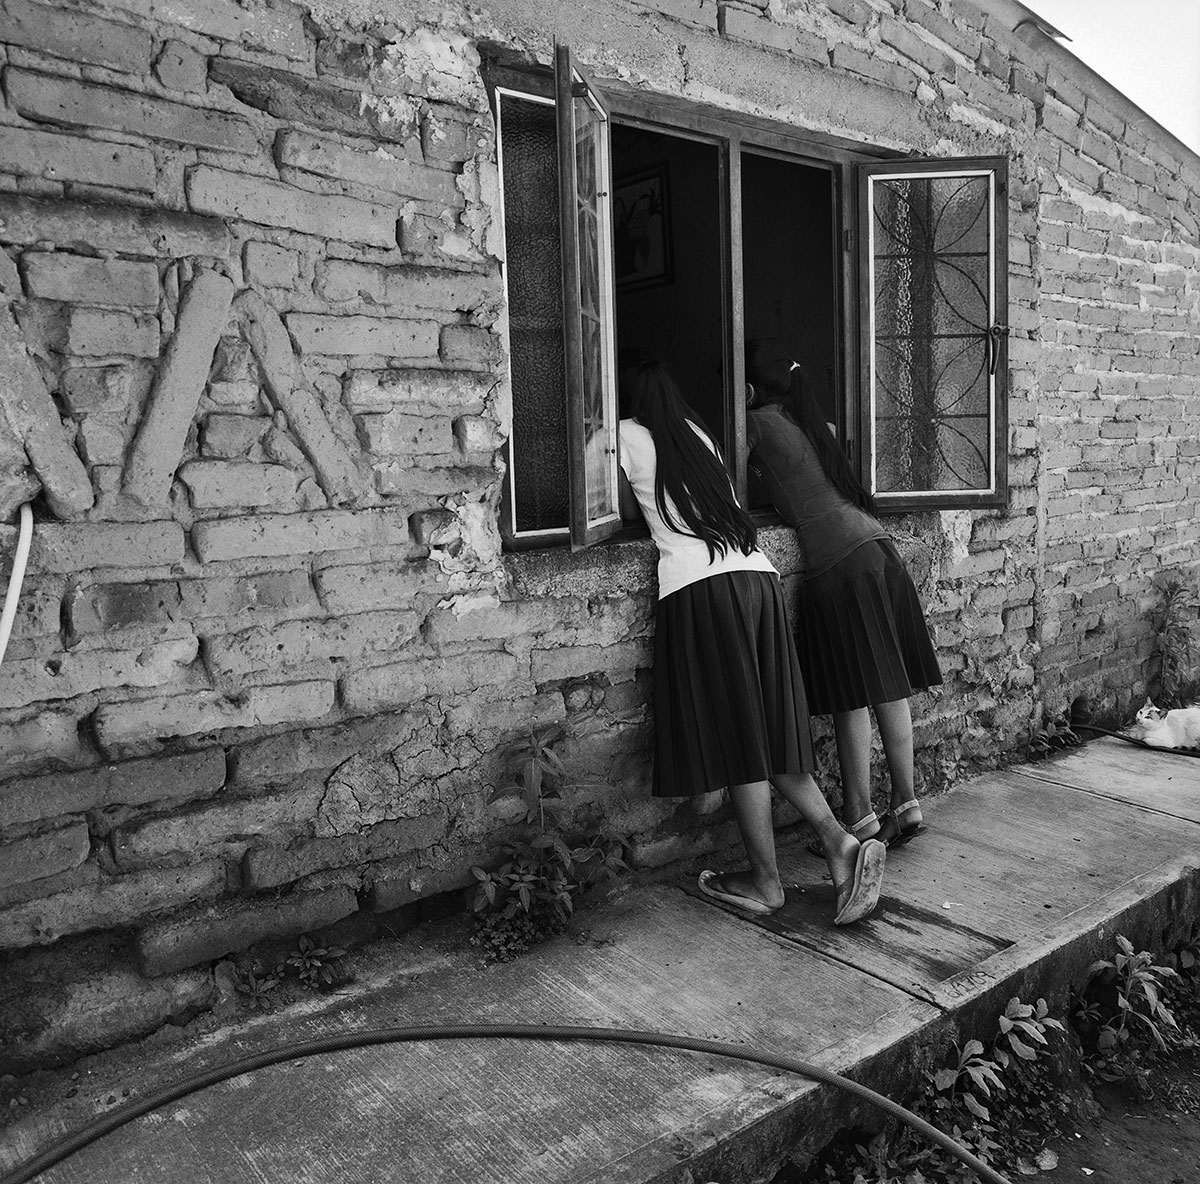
893 832
709 884
862 893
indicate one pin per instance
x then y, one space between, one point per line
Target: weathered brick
477 434
467 345
274 594
397 882
762 30
846 57
113 904
296 643
176 943
131 727
66 102
73 673
60 276
276 29
271 266
380 688
395 433
968 42
72 548
272 203
391 337
75 36
115 393
47 854
85 875
379 168
202 317
363 587
214 483
405 287
225 826
902 39
577 661
231 436
271 867
132 783
179 67
52 157
124 229
49 736
701 13
430 240
397 478
299 534
100 332
433 390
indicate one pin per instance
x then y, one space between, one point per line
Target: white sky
1148 49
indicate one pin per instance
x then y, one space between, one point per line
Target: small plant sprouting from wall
1174 646
532 894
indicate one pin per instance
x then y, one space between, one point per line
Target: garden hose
308 1048
1081 727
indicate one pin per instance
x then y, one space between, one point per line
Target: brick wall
252 362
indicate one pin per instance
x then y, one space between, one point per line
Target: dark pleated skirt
860 633
729 703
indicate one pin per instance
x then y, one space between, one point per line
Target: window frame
996 335
849 163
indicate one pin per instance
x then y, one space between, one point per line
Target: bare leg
853 732
752 811
841 849
895 729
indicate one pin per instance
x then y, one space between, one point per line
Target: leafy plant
1121 1003
532 894
257 985
1174 646
1055 736
315 966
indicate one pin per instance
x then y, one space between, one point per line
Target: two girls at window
729 700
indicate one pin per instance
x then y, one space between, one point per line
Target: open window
934 335
638 220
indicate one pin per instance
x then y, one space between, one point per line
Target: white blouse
682 558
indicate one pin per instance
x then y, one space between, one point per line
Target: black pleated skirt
860 633
729 702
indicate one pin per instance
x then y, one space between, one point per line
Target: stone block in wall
132 783
113 904
136 727
180 67
271 867
617 662
877 69
299 534
273 203
225 826
80 280
469 345
270 265
75 36
449 139
405 287
31 152
45 98
513 621
967 42
128 230
402 881
476 434
114 393
74 547
760 29
231 436
435 391
46 854
387 688
397 434
49 736
203 935
297 643
67 675
101 443
392 337
356 588
599 572
83 875
249 598
222 484
100 332
396 478
904 41
379 169
429 240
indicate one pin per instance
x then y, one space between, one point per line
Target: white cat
1177 728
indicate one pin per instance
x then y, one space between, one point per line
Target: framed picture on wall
642 229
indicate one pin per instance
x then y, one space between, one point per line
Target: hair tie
793 366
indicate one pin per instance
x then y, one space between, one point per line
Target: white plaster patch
468 603
438 64
479 183
956 529
394 113
1094 203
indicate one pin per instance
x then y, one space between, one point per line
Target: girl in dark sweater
860 632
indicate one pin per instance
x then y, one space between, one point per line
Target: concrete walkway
1024 878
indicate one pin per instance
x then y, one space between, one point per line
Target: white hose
15 580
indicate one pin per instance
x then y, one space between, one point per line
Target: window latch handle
994 335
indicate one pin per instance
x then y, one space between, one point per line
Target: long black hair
777 379
694 478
